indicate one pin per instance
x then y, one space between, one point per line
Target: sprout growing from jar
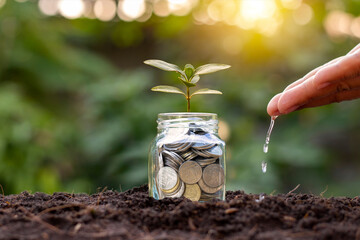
189 77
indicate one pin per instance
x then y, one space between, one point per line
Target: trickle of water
267 139
263 166
261 197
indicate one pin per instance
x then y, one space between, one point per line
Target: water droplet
267 139
261 197
266 147
264 166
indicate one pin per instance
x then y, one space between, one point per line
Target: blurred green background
77 113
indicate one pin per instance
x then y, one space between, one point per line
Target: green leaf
164 65
187 83
189 70
195 79
206 91
167 89
210 68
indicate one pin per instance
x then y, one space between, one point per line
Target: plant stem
188 98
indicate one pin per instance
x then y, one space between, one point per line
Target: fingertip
272 107
286 102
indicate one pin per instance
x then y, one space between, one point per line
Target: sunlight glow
177 4
253 10
232 45
180 7
71 8
291 4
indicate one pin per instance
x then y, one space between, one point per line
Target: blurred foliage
76 110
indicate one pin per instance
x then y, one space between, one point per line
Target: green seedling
189 77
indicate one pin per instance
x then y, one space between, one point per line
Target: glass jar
187 158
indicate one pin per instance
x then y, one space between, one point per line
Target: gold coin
192 192
208 189
190 172
214 175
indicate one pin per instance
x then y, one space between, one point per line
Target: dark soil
134 215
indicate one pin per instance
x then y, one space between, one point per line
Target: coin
172 190
192 192
213 175
167 178
202 153
190 172
178 147
179 192
171 163
203 162
208 189
188 155
215 151
203 145
161 161
174 156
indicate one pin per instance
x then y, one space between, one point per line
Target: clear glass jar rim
173 115
185 119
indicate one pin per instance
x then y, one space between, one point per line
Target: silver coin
172 164
179 192
205 161
201 153
189 155
174 156
161 161
203 145
167 178
184 147
172 146
215 151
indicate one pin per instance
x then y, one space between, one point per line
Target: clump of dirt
134 215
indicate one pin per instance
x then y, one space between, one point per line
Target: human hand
335 81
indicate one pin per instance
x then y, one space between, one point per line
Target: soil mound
134 215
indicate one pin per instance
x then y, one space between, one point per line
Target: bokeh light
131 9
180 7
291 4
254 10
263 16
355 27
2 3
89 9
161 8
48 7
71 8
224 130
105 10
338 23
303 14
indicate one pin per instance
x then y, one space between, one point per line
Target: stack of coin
191 167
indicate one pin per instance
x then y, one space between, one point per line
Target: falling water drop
263 166
267 139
